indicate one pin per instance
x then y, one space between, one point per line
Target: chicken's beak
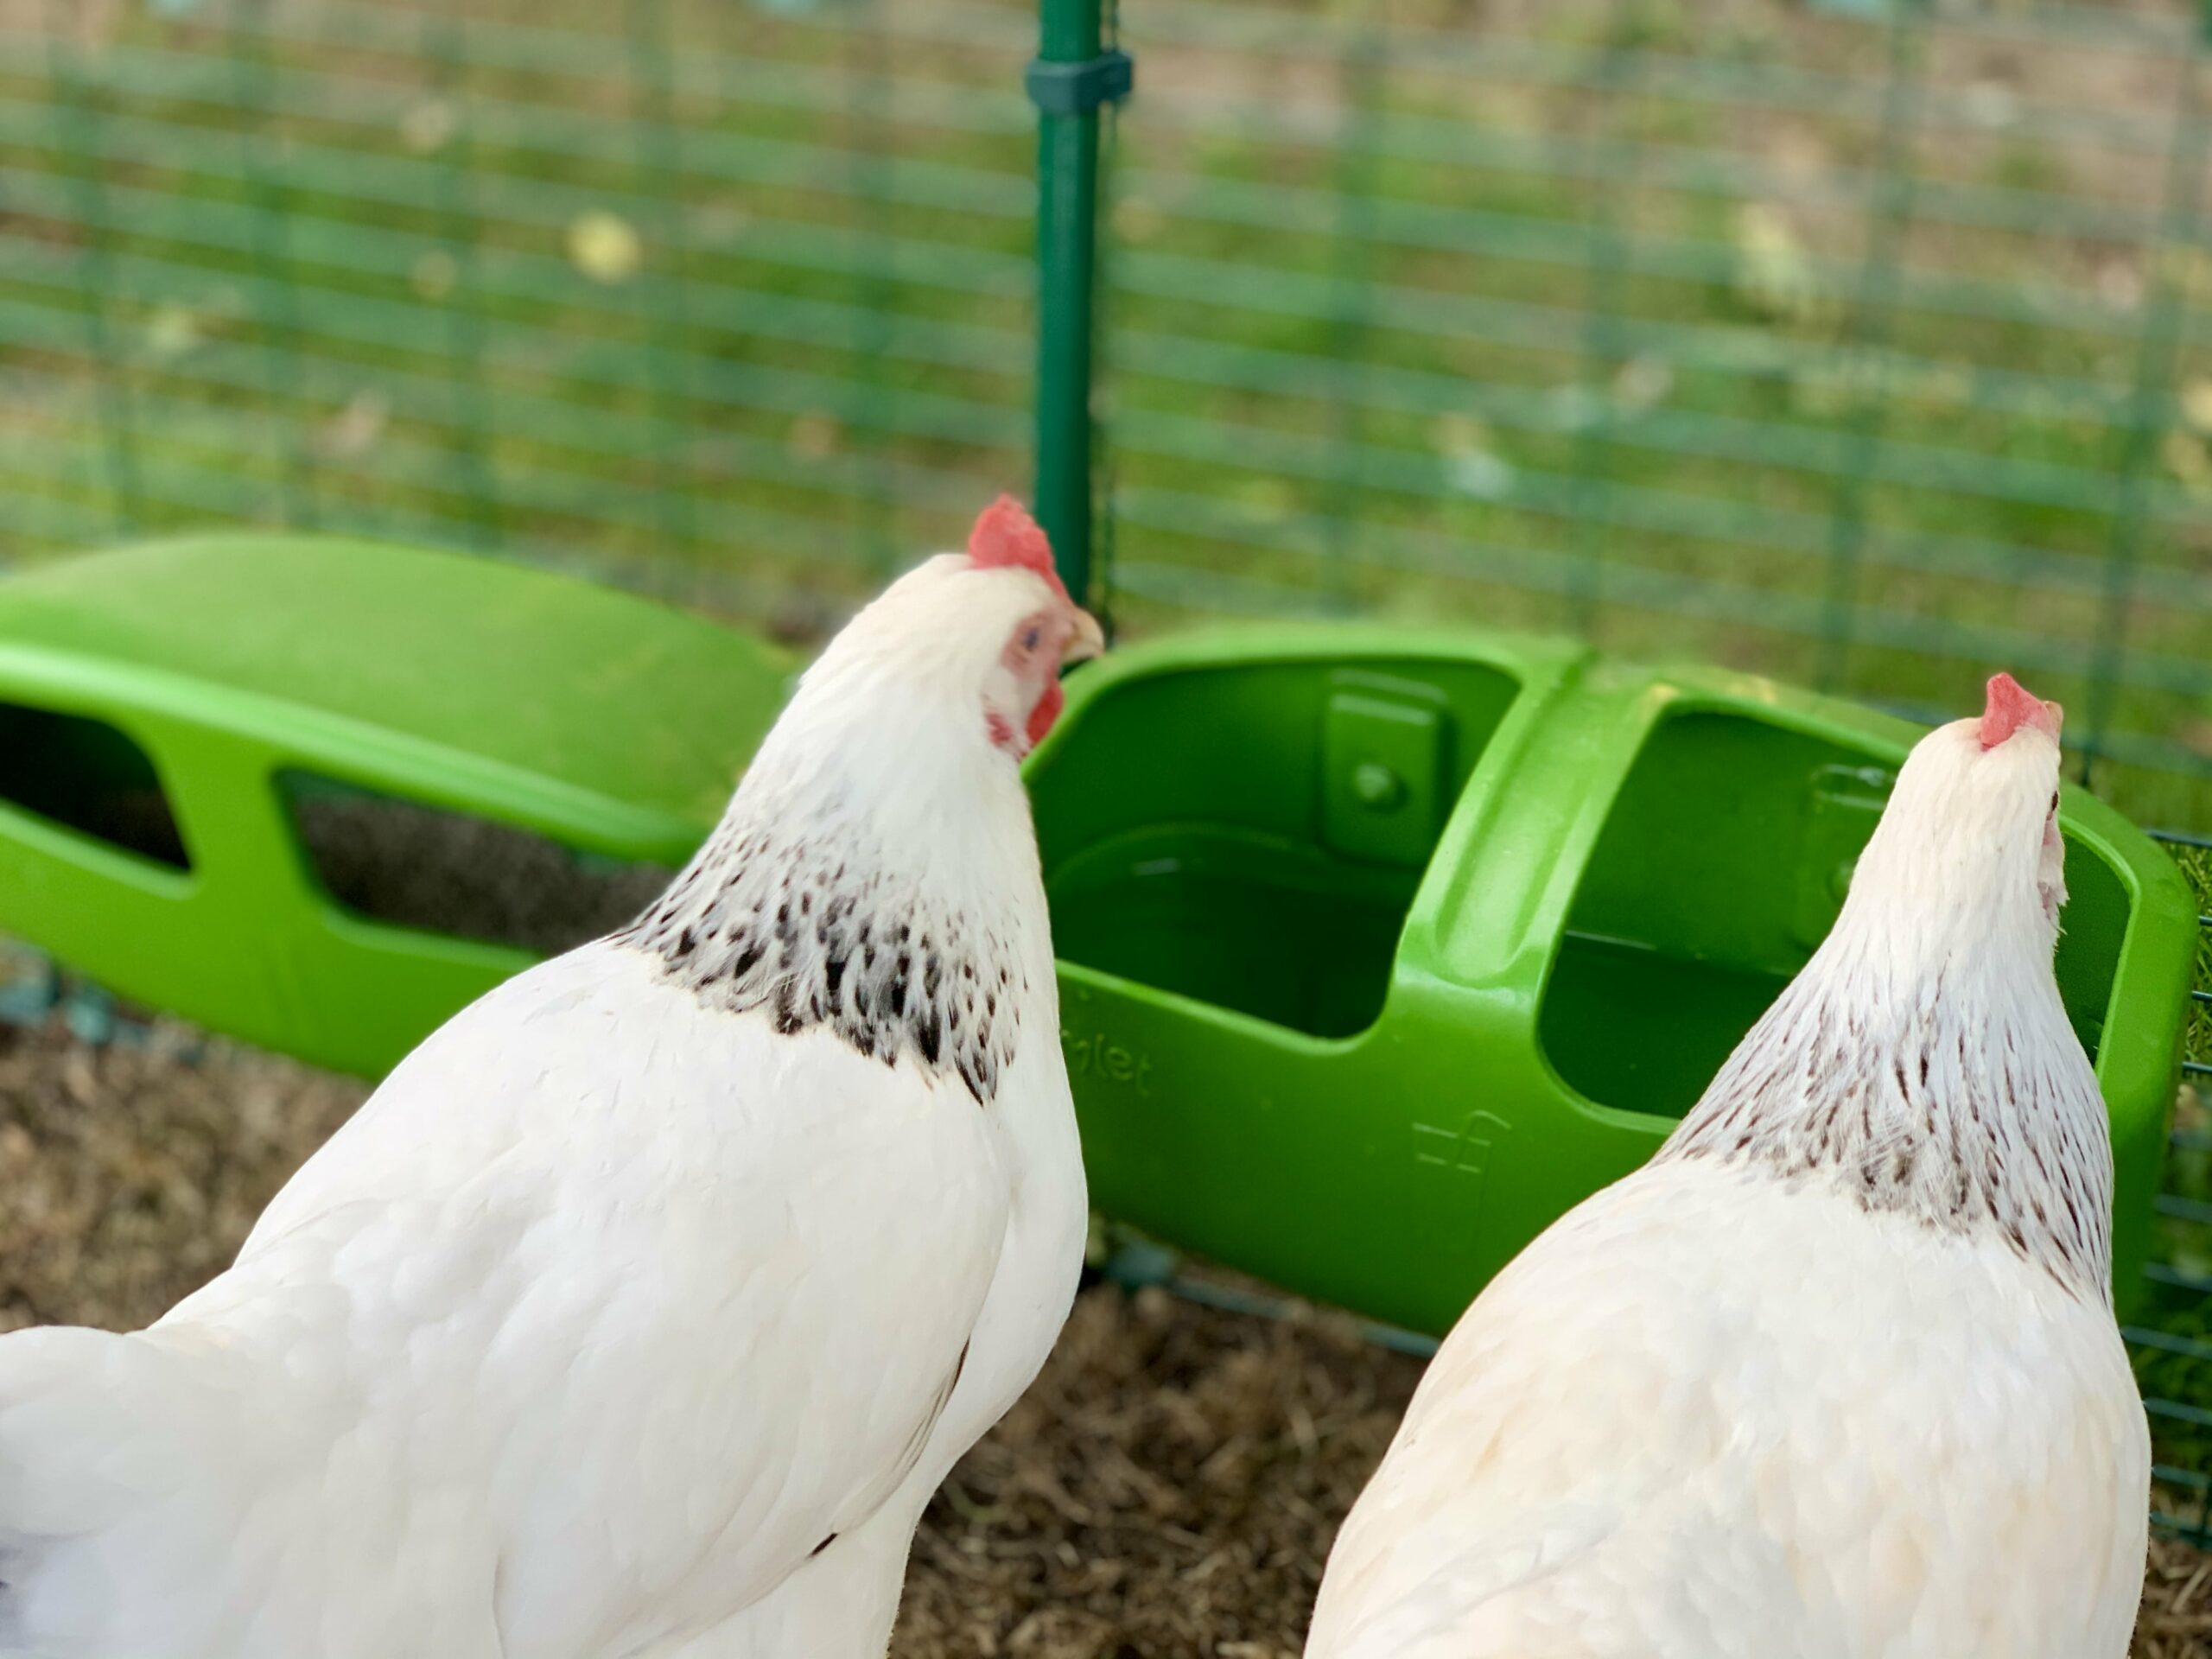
1089 640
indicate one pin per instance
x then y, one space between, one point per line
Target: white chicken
1836 1375
641 1309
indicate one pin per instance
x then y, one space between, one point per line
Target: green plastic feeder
1378 950
166 710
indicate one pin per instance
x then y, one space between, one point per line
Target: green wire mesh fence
1859 348
1857 341
2172 1342
1856 349
706 298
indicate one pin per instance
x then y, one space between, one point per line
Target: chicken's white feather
640 1309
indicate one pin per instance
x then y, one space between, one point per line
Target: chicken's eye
1030 638
2054 803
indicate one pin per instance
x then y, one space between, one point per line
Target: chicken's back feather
1714 1414
606 1309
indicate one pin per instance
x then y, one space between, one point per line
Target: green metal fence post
1074 73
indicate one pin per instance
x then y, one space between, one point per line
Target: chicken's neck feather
888 891
1945 1087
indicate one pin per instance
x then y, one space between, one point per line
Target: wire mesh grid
1860 348
2172 1339
664 292
1852 341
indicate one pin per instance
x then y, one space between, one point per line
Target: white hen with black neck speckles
1923 1064
1835 1376
876 875
640 1311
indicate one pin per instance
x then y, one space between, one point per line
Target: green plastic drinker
1378 948
1378 951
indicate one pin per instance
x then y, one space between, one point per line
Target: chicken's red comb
2011 706
1006 534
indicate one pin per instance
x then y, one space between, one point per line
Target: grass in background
1701 347
1769 336
1760 333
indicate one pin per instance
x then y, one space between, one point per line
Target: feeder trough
1378 950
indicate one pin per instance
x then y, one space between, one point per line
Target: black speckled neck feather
809 930
1960 1121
